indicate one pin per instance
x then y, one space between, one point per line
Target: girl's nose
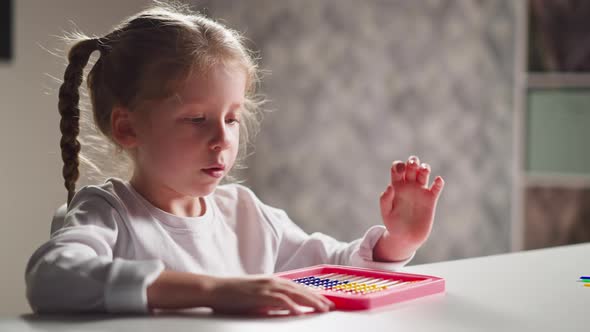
220 140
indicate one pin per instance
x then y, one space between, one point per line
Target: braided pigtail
69 98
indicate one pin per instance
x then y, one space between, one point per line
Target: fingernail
400 167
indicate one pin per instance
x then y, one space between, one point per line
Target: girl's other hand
262 294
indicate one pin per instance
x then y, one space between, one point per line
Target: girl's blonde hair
146 58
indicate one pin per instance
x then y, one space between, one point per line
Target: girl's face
186 144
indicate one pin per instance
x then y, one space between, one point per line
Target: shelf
557 180
538 80
556 131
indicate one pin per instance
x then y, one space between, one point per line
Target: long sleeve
75 270
298 249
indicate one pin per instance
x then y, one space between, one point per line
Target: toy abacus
352 288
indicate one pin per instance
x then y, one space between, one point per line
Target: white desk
531 291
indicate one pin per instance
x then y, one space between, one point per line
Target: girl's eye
202 119
195 120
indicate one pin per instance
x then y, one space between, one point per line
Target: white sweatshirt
114 243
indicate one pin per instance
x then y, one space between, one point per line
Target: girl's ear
122 127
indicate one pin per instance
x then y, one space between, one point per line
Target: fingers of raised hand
412 166
386 200
398 172
412 171
423 175
437 186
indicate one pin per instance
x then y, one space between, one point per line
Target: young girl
174 90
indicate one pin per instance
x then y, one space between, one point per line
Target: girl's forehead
219 83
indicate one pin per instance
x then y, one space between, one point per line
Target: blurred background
494 94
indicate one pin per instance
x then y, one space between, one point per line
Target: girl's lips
214 172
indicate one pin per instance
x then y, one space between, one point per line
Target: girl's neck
168 200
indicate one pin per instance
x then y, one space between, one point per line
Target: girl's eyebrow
232 107
235 107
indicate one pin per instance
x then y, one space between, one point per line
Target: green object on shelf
558 131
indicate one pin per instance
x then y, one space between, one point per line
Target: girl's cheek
236 135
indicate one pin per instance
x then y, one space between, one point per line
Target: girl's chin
204 189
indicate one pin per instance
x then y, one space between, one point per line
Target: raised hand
407 207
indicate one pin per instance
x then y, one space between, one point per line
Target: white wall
30 166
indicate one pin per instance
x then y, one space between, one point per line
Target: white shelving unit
524 82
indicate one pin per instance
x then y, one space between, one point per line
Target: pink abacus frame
423 285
